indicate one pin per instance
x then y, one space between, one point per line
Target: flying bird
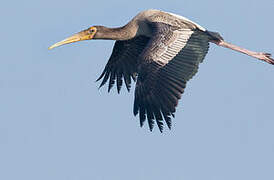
161 51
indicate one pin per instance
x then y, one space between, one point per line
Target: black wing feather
123 62
169 60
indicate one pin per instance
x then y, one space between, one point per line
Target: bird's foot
264 57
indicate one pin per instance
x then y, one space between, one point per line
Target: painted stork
160 50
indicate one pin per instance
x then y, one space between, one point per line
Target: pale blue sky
56 125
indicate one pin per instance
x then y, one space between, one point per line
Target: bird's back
154 15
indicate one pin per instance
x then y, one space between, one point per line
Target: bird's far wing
123 62
170 59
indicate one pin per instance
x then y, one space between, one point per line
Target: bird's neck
126 32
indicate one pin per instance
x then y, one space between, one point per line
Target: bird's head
87 34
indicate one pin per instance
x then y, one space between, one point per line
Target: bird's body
140 25
162 52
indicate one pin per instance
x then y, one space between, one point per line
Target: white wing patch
174 48
185 19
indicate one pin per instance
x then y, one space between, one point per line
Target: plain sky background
56 125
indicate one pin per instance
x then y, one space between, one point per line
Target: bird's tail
214 36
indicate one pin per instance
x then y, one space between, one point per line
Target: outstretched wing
170 59
123 62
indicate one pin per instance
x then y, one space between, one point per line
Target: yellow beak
83 35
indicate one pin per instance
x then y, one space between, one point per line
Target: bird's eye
92 30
